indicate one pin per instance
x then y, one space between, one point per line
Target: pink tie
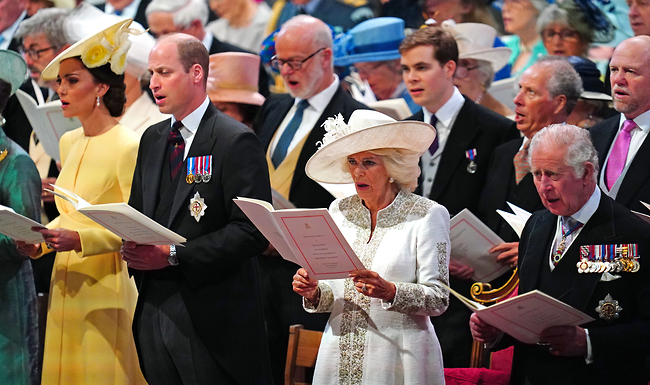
618 156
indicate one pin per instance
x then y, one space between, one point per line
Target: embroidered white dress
367 340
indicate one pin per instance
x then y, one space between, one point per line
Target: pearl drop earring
391 180
98 101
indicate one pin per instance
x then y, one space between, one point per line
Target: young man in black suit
289 127
557 248
455 167
628 182
198 305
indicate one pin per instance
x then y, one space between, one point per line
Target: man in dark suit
548 92
130 9
621 141
199 317
289 127
455 167
163 17
556 248
12 12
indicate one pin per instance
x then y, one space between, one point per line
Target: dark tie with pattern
434 146
287 136
176 148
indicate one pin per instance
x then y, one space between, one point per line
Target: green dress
20 189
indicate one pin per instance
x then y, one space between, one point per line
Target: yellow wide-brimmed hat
107 46
366 130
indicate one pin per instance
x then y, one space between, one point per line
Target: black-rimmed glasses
294 64
33 53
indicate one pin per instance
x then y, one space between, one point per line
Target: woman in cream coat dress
379 331
88 337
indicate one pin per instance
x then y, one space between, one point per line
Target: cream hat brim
498 56
327 164
52 70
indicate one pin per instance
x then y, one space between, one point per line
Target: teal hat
373 40
13 69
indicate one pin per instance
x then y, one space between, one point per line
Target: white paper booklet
19 227
397 108
517 220
471 241
339 190
307 237
48 122
525 316
645 204
122 220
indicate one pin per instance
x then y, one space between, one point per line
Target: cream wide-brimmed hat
233 78
13 69
476 41
366 130
107 46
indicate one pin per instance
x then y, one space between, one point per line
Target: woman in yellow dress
88 338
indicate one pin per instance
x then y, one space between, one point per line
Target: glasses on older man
33 53
463 71
568 35
294 64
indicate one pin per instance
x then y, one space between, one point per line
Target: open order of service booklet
122 220
48 122
19 227
526 316
307 237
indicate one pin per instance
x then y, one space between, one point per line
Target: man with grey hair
583 250
190 17
621 141
548 92
289 126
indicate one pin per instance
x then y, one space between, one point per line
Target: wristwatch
172 258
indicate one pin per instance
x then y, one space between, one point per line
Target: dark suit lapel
603 138
201 145
637 174
462 133
274 119
535 255
151 182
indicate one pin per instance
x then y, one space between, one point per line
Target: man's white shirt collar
207 39
587 211
8 34
319 101
447 113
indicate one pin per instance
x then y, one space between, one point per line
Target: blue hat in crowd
13 69
593 87
373 40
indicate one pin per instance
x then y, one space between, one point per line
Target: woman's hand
460 271
371 284
60 239
305 286
27 249
481 331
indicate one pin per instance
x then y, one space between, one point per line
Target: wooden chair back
301 354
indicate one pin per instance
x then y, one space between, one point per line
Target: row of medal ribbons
609 258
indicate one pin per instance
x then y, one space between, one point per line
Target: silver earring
98 101
391 180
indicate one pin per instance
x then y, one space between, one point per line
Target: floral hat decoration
107 46
366 130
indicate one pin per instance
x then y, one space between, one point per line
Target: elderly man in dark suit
199 317
190 17
289 127
548 92
587 251
621 141
455 167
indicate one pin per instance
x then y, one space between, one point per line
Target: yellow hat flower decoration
108 46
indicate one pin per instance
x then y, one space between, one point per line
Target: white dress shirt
317 105
191 124
446 116
128 12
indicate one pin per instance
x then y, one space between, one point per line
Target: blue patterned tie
434 145
285 139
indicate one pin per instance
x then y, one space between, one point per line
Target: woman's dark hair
5 92
115 97
248 112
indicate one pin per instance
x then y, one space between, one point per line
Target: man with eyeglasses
190 16
289 127
455 167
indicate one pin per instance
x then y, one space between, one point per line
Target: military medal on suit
199 169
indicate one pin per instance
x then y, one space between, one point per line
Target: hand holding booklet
526 316
122 220
19 227
307 237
